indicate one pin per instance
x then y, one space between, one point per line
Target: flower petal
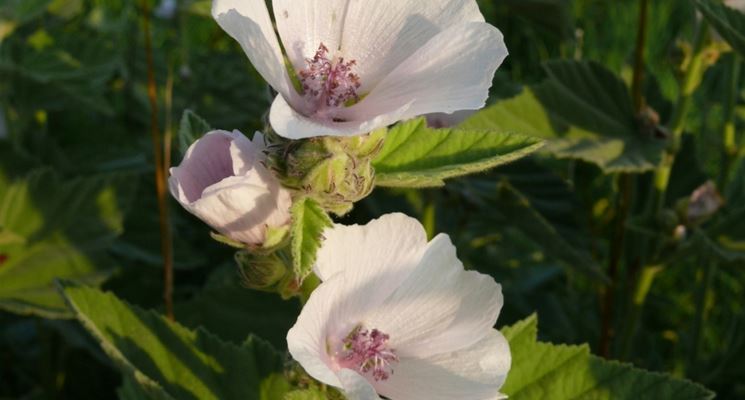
307 339
440 307
452 72
292 125
389 246
475 373
248 22
356 387
207 161
380 35
304 24
237 207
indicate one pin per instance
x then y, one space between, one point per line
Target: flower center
329 83
368 352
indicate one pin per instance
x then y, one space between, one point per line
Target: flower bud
261 272
704 202
223 181
334 171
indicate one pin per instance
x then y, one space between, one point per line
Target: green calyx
334 171
262 272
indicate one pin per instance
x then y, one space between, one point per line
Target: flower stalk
160 167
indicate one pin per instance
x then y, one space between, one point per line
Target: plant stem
643 285
160 168
694 72
617 241
641 39
625 187
708 271
691 80
730 149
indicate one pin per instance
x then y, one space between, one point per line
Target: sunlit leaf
419 156
168 360
584 112
544 370
308 222
56 229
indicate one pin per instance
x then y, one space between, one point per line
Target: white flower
704 202
399 317
736 4
365 64
223 182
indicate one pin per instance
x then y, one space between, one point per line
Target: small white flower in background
166 9
736 4
364 64
222 180
704 202
399 317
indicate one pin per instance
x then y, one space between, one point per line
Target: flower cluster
394 315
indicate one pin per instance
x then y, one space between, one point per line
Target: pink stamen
327 82
366 351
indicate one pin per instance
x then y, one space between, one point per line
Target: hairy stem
694 71
160 167
624 196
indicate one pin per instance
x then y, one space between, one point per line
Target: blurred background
78 201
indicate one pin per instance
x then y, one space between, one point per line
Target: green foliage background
77 198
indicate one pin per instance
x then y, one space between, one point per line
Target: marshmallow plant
223 181
399 317
352 66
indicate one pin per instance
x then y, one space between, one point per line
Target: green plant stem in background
641 40
639 296
160 170
705 277
730 148
625 191
694 72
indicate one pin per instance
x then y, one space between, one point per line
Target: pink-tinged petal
207 161
380 35
248 22
289 123
307 340
356 387
304 24
451 72
222 180
461 306
238 208
475 373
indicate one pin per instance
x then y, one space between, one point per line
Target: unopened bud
704 202
262 272
336 172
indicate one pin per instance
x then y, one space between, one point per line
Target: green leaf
544 370
228 309
308 222
584 111
51 229
516 207
169 361
192 128
729 22
415 155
